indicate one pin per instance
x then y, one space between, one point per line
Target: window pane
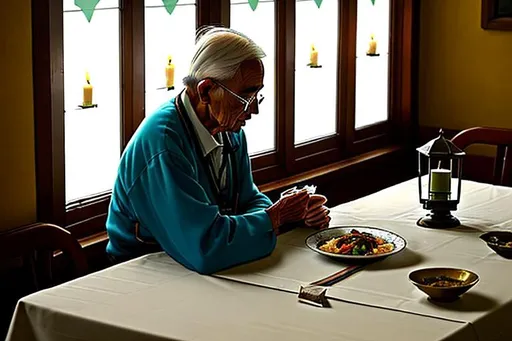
260 130
372 72
167 35
92 136
316 88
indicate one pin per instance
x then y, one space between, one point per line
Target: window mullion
225 13
348 72
47 47
287 74
280 82
202 12
402 48
213 12
343 31
132 55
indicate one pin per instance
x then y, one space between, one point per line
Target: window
249 22
372 69
167 36
311 117
316 87
91 48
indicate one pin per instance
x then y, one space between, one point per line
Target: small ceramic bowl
496 240
443 284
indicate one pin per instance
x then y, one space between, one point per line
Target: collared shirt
209 144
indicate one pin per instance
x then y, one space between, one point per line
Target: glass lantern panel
423 174
443 180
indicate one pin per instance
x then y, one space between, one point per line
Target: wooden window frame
86 217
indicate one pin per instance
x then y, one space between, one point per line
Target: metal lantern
439 180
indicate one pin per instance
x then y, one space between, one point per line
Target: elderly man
184 183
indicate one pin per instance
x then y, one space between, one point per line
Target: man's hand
317 214
290 208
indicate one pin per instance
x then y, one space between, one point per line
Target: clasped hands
300 205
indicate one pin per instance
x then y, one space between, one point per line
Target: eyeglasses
246 102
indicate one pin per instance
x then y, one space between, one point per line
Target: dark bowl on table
497 240
443 284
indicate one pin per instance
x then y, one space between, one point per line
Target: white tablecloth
154 298
385 284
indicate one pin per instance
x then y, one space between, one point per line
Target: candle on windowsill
372 46
169 74
440 183
87 96
313 56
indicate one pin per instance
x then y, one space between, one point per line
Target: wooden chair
502 139
27 256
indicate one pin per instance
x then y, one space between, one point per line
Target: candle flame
313 47
87 77
169 59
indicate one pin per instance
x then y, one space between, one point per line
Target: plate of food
500 242
356 242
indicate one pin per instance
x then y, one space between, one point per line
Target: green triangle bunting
87 7
373 2
170 5
318 3
253 4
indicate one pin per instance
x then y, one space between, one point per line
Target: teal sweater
162 185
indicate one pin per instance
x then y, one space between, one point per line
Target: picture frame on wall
497 15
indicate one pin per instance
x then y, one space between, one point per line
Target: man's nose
255 108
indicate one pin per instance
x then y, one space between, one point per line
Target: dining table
155 298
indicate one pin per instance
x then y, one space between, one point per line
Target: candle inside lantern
169 73
87 98
372 46
313 56
440 183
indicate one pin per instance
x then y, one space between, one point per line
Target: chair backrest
42 238
31 248
499 137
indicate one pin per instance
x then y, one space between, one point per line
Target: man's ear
203 90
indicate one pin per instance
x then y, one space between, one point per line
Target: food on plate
357 243
442 281
497 241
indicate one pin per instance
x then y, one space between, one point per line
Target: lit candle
169 73
313 56
372 46
440 183
87 101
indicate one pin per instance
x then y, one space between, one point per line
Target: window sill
357 170
341 170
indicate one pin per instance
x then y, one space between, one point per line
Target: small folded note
313 295
310 189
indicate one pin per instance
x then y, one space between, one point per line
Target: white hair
219 51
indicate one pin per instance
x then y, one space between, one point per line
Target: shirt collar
207 141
